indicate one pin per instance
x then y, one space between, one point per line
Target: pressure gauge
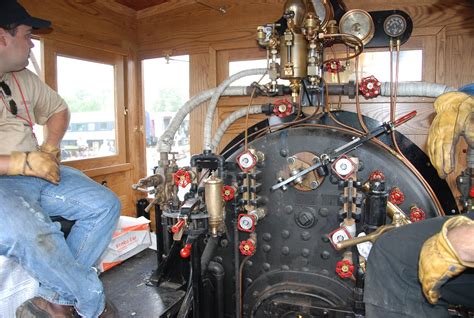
358 23
394 25
246 223
324 11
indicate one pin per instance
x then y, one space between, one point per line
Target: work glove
439 261
454 117
35 164
53 150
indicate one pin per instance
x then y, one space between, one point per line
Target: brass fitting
214 203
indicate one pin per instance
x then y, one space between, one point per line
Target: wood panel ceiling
140 4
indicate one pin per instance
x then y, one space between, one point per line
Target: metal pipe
208 253
218 272
158 234
165 234
236 268
196 278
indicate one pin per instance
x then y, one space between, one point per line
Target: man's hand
454 117
53 150
439 261
35 164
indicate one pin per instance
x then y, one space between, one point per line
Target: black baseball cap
12 12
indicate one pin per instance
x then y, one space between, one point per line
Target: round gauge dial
324 11
246 222
395 25
358 23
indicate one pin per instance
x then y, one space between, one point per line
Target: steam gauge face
246 223
394 25
358 23
324 11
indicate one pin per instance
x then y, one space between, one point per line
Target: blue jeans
64 267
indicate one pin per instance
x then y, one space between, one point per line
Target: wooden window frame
51 49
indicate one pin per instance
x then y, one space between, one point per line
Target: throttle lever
385 128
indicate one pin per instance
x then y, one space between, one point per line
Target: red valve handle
334 66
247 247
370 87
282 108
377 175
417 214
344 268
185 251
228 192
396 196
182 178
177 227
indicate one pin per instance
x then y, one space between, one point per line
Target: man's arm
56 127
461 239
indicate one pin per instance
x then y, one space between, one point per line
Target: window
166 89
88 89
370 63
378 65
237 66
34 65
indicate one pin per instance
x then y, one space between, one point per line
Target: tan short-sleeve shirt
41 103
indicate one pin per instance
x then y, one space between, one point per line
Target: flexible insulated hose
215 98
256 109
166 140
415 89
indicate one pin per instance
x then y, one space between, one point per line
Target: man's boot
40 308
110 311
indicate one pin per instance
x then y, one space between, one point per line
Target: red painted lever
404 119
177 227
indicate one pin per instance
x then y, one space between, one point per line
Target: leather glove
53 150
35 164
454 117
439 261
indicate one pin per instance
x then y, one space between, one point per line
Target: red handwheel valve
376 175
396 196
344 268
282 108
182 178
247 247
334 67
370 87
417 214
228 193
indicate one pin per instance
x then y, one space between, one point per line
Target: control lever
184 212
397 221
325 159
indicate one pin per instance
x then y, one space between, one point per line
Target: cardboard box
131 237
16 286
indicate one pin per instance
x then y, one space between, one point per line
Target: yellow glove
454 117
53 150
439 261
36 164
